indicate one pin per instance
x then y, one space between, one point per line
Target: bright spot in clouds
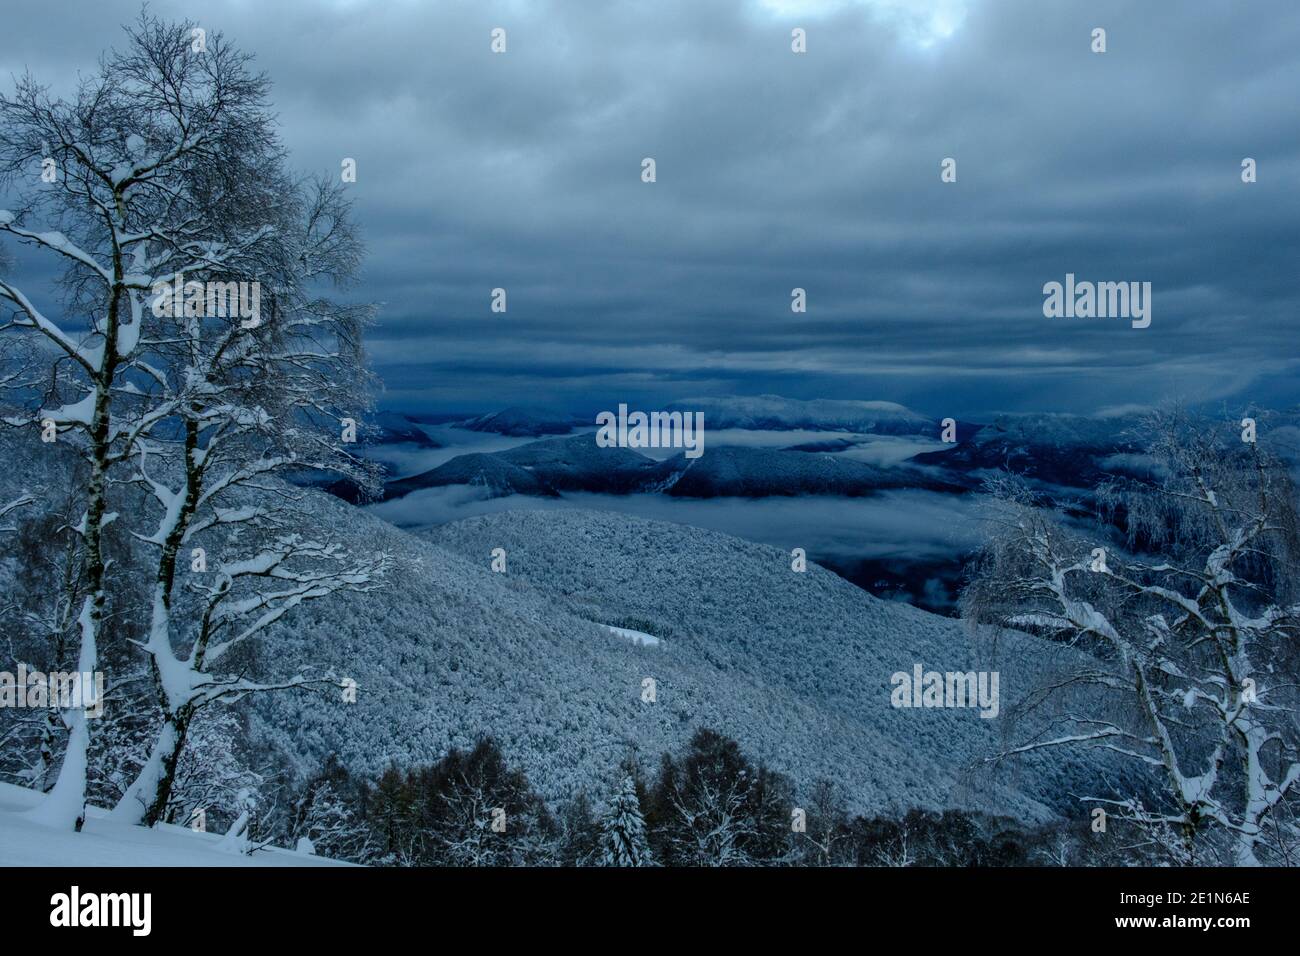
924 22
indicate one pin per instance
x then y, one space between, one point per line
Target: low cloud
912 525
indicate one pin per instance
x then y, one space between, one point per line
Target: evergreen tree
389 809
623 838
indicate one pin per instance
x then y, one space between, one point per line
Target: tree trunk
65 805
145 801
72 774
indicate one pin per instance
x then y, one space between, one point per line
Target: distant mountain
577 463
1068 451
774 413
438 418
518 422
1071 450
763 472
759 412
500 478
545 468
394 428
384 428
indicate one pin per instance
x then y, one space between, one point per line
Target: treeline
707 805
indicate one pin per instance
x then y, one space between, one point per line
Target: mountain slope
392 428
762 472
523 422
498 476
1068 450
579 464
795 666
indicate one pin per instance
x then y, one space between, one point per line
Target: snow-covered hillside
795 666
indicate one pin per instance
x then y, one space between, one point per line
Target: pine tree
623 841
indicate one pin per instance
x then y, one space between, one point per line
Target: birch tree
49 593
1189 627
208 359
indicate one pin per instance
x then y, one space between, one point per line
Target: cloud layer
778 170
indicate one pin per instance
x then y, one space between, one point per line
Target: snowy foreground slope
796 667
101 843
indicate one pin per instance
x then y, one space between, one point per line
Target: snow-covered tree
209 361
238 839
1189 628
478 811
825 840
623 836
327 814
899 851
48 585
712 807
579 839
392 813
210 774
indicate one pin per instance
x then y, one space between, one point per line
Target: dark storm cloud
777 170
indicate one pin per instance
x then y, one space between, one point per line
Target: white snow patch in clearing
104 843
636 637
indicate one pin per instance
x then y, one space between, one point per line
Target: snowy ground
101 843
636 637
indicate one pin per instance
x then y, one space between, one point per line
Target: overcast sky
775 170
